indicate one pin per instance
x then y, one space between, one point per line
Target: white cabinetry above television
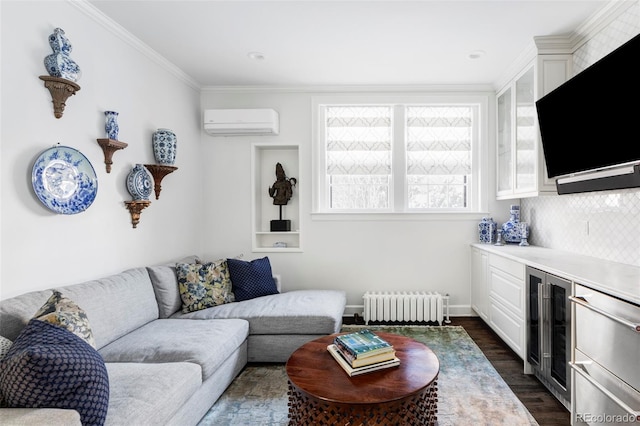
520 162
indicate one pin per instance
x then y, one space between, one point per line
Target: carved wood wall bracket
135 207
159 171
60 89
109 146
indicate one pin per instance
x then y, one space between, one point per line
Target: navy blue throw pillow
49 366
251 279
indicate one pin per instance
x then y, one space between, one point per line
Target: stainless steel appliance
549 332
606 360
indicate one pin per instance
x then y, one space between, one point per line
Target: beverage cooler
549 332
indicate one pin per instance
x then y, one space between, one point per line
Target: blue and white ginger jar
487 230
165 145
139 183
59 63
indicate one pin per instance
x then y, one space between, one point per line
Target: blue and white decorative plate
64 180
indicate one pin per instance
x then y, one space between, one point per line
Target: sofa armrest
39 416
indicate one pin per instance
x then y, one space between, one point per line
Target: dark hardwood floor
544 407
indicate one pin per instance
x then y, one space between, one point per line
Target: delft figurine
59 63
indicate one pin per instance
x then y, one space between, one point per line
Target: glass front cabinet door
520 167
505 163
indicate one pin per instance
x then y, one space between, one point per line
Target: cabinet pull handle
579 300
607 392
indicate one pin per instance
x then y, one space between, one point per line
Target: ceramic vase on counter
511 229
111 124
164 146
487 230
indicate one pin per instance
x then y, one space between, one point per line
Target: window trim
399 205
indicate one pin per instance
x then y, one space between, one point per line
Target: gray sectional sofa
166 367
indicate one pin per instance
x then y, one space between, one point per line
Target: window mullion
399 160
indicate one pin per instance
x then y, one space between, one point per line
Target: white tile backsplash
603 224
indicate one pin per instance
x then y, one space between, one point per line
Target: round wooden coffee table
322 393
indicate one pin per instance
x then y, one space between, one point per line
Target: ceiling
336 42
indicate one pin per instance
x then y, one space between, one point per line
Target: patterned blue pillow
205 285
49 366
251 279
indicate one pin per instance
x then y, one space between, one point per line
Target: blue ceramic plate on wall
64 180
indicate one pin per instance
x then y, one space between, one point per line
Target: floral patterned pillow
5 345
204 285
63 312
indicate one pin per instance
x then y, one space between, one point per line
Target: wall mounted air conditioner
234 122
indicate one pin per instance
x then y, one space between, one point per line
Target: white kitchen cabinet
479 283
498 296
507 301
521 171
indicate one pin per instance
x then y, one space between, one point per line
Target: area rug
470 390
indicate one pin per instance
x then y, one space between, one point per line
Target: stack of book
362 351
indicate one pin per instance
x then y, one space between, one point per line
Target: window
438 149
358 157
398 157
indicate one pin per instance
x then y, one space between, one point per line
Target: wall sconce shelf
109 146
159 171
60 89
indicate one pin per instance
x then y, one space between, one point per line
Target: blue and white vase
59 63
139 183
511 229
111 124
165 145
487 230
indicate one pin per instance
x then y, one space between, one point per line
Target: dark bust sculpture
282 189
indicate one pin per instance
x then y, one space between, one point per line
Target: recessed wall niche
263 167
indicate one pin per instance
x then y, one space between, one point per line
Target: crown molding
564 44
94 13
352 89
600 20
554 45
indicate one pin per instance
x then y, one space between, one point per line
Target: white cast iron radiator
406 307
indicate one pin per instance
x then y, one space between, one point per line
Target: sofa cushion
17 311
205 285
115 305
49 366
39 416
251 279
292 312
64 312
150 394
206 343
165 285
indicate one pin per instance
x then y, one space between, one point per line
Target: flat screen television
592 121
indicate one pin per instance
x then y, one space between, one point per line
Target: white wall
41 249
408 254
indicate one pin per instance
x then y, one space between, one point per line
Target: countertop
616 279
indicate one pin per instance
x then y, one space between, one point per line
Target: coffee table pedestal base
419 410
